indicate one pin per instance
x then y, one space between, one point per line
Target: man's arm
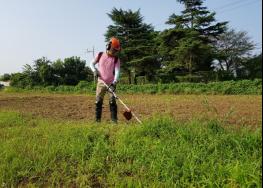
117 75
92 64
117 72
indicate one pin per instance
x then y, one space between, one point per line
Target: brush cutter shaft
130 111
136 117
123 104
116 97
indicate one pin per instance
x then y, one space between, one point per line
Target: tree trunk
227 66
129 77
190 65
135 80
221 65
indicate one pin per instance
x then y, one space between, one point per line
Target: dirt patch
238 110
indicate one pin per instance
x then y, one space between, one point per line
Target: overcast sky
31 29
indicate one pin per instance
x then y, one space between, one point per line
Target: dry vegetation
236 110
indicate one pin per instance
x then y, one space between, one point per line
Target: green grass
160 153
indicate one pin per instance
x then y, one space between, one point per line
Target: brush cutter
128 114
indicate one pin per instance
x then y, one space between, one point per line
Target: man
107 71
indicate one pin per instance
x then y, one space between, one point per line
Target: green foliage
138 43
43 71
160 153
188 46
21 80
190 78
74 70
5 77
47 73
251 68
232 49
242 87
11 119
195 49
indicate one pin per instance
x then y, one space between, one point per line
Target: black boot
98 112
113 110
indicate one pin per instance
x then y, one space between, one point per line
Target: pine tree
138 54
188 46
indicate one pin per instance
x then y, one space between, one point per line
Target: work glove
113 85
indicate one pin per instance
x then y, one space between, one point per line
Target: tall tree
232 47
74 70
137 40
5 77
249 67
253 67
43 70
59 72
188 46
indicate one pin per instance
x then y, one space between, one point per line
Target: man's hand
113 85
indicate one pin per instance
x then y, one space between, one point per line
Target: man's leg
98 111
113 108
100 92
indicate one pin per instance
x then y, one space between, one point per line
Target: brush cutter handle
113 93
110 90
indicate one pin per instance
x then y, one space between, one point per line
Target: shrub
244 87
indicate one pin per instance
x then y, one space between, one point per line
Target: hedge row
246 87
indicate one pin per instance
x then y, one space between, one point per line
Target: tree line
195 48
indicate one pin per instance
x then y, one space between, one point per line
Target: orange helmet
115 43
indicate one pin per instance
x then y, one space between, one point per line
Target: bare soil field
236 109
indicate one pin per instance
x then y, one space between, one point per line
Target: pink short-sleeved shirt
106 67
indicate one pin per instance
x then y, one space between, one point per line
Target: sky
57 29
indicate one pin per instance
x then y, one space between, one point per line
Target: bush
242 87
5 77
20 80
189 78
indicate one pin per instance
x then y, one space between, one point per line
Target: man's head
114 46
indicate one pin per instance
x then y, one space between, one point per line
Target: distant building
6 84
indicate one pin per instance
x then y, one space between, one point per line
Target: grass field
49 140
